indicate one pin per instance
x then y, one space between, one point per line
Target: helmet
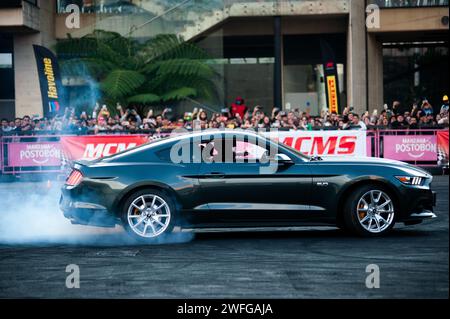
445 98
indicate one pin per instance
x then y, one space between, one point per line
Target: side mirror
282 159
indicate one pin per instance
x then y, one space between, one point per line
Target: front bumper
85 213
422 210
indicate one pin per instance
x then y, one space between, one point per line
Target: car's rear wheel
370 211
148 214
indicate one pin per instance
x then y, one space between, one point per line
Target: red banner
443 152
92 147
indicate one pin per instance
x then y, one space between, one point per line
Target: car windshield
292 150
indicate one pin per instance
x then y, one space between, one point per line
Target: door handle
214 175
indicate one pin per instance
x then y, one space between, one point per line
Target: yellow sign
333 103
48 71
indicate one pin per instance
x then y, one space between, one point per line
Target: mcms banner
324 143
97 146
49 80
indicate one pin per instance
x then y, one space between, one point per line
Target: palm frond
179 94
169 46
180 67
120 83
85 66
146 98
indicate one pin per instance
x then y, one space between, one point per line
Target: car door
242 188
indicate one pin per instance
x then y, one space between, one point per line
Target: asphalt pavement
36 245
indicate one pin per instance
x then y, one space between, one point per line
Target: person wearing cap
444 107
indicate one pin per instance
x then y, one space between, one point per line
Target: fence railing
409 3
44 153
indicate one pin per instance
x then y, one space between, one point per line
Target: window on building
6 61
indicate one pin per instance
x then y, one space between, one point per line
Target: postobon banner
49 80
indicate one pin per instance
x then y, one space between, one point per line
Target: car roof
186 135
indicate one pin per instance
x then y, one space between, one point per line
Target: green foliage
179 94
122 83
147 98
161 70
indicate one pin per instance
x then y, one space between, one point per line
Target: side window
246 151
176 153
164 154
231 150
209 151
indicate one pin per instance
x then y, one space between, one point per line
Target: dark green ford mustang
239 179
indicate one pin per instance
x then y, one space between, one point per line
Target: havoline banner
49 80
330 77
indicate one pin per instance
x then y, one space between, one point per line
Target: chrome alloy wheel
375 211
148 215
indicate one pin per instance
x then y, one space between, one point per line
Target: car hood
361 159
373 161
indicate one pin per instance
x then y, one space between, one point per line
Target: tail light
74 178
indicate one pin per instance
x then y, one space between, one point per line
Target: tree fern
179 94
120 83
163 69
147 98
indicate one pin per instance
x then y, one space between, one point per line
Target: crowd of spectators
102 120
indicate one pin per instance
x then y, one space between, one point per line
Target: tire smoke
30 215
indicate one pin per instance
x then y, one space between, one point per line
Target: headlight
411 180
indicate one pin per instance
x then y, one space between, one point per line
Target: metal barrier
44 153
30 154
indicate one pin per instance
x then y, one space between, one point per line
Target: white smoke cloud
30 214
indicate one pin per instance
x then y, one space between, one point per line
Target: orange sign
332 94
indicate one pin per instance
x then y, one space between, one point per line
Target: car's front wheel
148 214
369 211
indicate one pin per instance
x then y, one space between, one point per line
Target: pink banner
410 147
369 146
34 154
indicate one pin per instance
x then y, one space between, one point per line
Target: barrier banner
324 143
410 147
31 154
96 146
443 152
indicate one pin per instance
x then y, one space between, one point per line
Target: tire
141 217
369 211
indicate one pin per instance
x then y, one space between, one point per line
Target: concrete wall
375 73
411 19
25 18
28 94
356 58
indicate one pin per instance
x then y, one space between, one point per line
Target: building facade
268 52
